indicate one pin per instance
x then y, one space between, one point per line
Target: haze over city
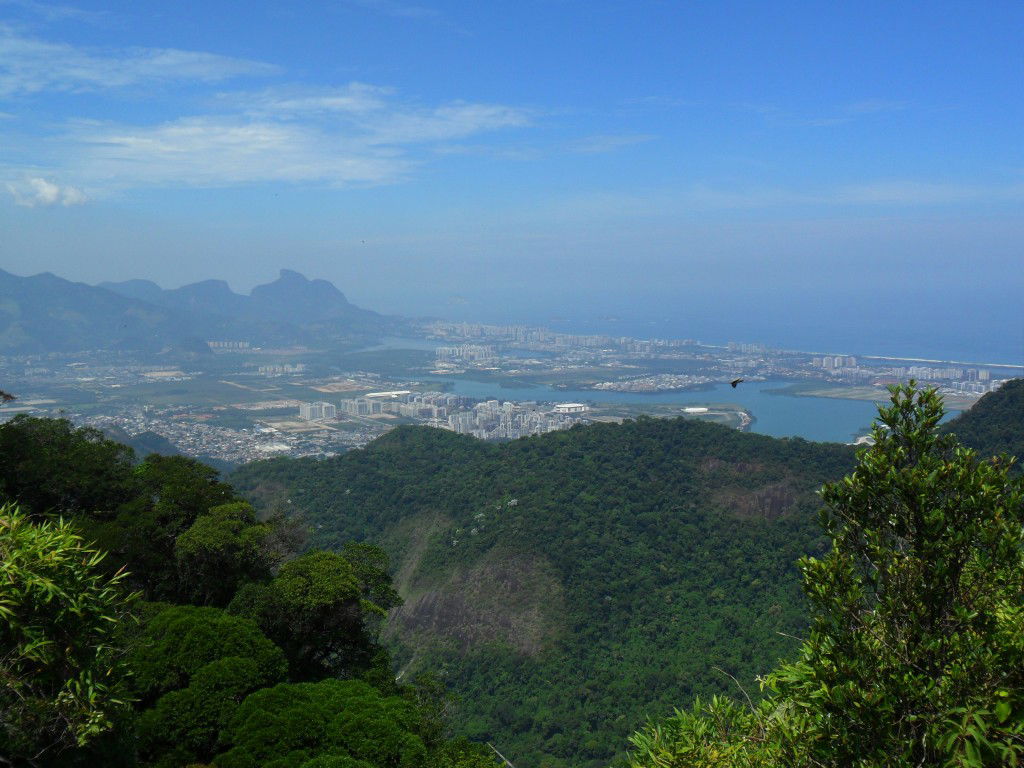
795 174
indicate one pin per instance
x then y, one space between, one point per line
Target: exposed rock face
505 597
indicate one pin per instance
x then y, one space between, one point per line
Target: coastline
954 403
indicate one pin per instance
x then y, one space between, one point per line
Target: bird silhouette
734 382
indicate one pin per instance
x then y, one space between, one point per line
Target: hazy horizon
843 178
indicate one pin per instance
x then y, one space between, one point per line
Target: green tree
315 611
916 649
180 640
62 671
52 466
915 654
294 723
371 566
713 734
222 549
183 726
172 493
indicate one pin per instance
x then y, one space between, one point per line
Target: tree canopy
91 675
915 654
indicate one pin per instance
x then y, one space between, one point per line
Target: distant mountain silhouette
144 290
45 313
292 299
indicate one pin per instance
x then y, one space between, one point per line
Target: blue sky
532 159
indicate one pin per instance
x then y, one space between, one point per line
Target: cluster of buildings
229 346
496 420
747 349
659 382
834 362
317 411
467 352
529 337
280 370
950 378
430 406
925 373
488 420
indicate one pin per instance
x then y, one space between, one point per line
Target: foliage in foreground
62 671
915 654
89 675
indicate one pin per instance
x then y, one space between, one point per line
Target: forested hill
995 424
572 584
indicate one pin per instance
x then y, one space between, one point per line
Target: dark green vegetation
572 584
915 654
994 425
59 615
48 313
147 616
567 586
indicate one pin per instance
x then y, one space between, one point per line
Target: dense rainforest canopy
147 616
570 585
915 651
568 588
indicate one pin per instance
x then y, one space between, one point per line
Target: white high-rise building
317 411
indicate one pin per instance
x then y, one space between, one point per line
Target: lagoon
822 419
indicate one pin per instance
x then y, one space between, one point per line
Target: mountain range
46 313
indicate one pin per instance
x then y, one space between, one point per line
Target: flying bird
7 396
734 382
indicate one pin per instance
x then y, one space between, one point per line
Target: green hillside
995 425
149 619
572 584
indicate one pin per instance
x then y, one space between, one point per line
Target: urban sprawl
251 402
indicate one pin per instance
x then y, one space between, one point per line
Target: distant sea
966 341
953 328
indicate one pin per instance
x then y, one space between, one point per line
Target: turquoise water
401 342
822 419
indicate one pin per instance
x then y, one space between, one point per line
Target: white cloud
29 65
450 121
54 12
875 195
302 101
357 135
227 151
600 144
354 134
37 191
